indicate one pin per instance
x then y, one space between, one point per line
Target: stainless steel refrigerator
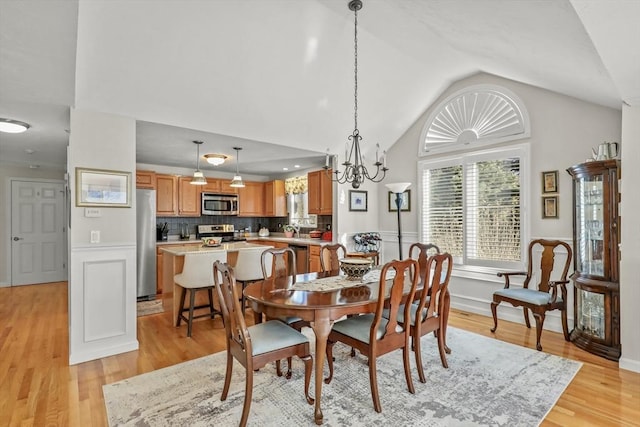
146 243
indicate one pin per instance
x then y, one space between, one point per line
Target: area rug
149 307
488 383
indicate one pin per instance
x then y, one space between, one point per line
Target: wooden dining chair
373 334
330 257
538 299
255 346
427 314
279 271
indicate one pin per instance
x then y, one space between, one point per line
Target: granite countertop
224 247
293 240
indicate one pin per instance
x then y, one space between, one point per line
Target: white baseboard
629 364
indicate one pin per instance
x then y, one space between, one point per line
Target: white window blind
471 207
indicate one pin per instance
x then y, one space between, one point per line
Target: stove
226 231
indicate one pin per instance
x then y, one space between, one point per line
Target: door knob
15 239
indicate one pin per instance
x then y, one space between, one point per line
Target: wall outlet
95 236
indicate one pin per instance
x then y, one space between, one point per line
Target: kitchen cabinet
251 199
596 277
320 192
314 258
188 197
166 195
219 186
146 179
275 200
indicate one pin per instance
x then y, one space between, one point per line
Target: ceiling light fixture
237 181
215 159
355 171
13 126
198 176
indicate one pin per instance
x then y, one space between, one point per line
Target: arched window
472 117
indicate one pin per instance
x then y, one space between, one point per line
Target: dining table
321 299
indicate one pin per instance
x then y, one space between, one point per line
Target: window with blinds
471 207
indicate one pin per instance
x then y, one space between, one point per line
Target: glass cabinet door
591 313
589 209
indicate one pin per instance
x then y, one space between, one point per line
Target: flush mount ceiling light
215 159
237 181
198 176
355 171
13 126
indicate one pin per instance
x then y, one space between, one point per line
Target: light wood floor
39 388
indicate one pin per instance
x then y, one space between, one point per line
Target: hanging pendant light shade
237 181
355 172
198 176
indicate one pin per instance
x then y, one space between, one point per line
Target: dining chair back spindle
374 334
256 345
330 257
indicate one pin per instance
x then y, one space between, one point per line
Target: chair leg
329 353
373 382
248 390
416 349
407 367
227 375
539 322
278 368
211 307
192 300
526 317
182 297
289 362
494 312
565 327
308 367
442 348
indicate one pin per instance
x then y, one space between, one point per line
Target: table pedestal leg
321 327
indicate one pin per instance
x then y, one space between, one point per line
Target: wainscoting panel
102 302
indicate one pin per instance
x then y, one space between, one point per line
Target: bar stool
197 275
248 269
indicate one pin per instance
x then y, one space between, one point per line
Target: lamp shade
237 182
198 178
398 187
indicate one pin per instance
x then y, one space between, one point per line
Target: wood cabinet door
326 193
146 179
313 183
225 188
188 197
314 259
212 186
275 201
251 199
166 195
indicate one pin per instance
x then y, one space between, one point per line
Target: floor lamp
398 188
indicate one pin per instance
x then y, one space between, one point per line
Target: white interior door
37 233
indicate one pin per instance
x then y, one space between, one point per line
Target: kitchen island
174 261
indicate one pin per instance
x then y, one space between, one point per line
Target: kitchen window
472 206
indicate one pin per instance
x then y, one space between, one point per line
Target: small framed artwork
550 207
99 187
406 201
357 200
550 182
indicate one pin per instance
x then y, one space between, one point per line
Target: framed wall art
100 187
550 182
357 200
405 206
550 207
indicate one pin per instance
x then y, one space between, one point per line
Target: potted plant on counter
288 230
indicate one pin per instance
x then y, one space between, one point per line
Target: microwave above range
219 204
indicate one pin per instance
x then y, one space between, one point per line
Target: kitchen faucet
296 230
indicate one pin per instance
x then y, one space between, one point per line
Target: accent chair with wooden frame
256 345
539 300
375 335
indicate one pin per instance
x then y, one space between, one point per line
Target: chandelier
355 171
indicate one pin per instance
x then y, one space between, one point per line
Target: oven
219 204
226 231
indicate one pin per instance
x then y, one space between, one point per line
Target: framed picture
550 207
357 200
406 201
99 187
550 182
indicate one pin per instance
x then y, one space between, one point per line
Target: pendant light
237 181
198 176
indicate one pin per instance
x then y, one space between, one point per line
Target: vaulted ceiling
276 76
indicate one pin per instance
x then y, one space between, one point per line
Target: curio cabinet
596 279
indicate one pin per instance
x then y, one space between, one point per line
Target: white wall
6 173
102 276
563 130
630 241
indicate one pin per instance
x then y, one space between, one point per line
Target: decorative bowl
355 268
211 241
